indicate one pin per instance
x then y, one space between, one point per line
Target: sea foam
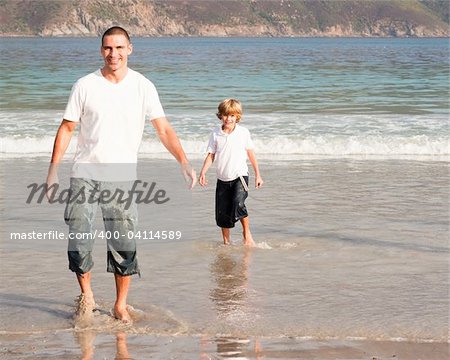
322 146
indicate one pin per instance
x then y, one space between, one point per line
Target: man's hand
52 180
189 174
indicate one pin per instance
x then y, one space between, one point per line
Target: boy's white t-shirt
230 152
112 118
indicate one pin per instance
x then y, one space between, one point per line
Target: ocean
386 98
351 225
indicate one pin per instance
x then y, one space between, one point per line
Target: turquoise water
327 97
352 136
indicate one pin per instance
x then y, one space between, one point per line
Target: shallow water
351 225
346 250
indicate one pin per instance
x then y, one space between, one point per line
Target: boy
230 144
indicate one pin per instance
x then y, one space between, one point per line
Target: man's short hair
116 30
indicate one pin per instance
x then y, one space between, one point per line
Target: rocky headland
303 18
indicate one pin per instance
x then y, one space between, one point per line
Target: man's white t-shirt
230 152
112 118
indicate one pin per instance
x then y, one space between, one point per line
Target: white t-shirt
230 151
112 118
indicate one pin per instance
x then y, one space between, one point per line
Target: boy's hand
202 180
259 182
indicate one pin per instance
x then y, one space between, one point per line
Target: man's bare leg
86 302
120 307
248 238
84 280
226 236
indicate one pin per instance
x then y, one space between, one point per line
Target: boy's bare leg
120 307
226 236
84 280
248 238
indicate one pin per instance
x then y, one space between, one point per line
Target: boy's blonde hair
230 106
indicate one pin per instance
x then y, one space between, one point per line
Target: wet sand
365 281
88 345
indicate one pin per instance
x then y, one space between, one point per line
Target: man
111 106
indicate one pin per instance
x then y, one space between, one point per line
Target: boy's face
228 121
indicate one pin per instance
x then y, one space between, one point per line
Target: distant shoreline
13 36
232 18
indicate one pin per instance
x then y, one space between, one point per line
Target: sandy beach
128 346
351 224
320 284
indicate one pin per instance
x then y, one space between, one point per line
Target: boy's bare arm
206 164
258 179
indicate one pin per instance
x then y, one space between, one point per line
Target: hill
381 18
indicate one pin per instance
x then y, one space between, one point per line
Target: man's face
115 50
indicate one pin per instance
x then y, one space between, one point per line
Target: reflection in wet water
230 272
86 338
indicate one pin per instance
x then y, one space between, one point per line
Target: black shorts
230 197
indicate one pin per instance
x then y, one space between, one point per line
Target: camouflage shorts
119 219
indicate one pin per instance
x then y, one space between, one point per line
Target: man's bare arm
62 141
170 140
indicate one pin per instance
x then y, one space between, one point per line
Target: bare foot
248 239
121 313
226 236
85 304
